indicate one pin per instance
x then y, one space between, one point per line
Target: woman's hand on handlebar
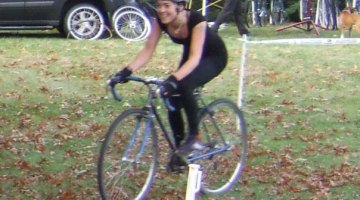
120 77
168 87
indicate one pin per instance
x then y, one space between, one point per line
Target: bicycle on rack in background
277 11
257 12
130 151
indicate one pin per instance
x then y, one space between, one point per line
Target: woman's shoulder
195 17
195 14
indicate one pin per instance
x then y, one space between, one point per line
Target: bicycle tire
222 123
126 8
128 157
132 26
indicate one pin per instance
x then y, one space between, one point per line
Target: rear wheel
128 157
223 126
84 21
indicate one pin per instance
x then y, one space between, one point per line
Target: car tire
84 22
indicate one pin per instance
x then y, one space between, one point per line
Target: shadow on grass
30 34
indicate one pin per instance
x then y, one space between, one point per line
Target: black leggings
207 69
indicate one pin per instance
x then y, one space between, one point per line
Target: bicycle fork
136 133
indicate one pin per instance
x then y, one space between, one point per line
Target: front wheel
128 155
84 22
222 124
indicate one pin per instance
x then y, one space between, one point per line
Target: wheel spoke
132 25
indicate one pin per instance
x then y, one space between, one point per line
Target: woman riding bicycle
204 57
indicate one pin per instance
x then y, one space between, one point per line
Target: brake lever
114 93
167 102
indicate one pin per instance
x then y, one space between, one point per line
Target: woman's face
166 10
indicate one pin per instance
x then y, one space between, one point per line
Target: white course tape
309 41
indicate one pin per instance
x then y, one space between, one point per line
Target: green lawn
301 106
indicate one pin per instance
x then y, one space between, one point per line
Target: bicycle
257 12
129 153
277 12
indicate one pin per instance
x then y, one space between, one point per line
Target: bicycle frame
166 134
152 114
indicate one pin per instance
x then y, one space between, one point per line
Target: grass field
301 105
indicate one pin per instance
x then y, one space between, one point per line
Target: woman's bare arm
196 50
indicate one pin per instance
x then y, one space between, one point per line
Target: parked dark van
79 19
